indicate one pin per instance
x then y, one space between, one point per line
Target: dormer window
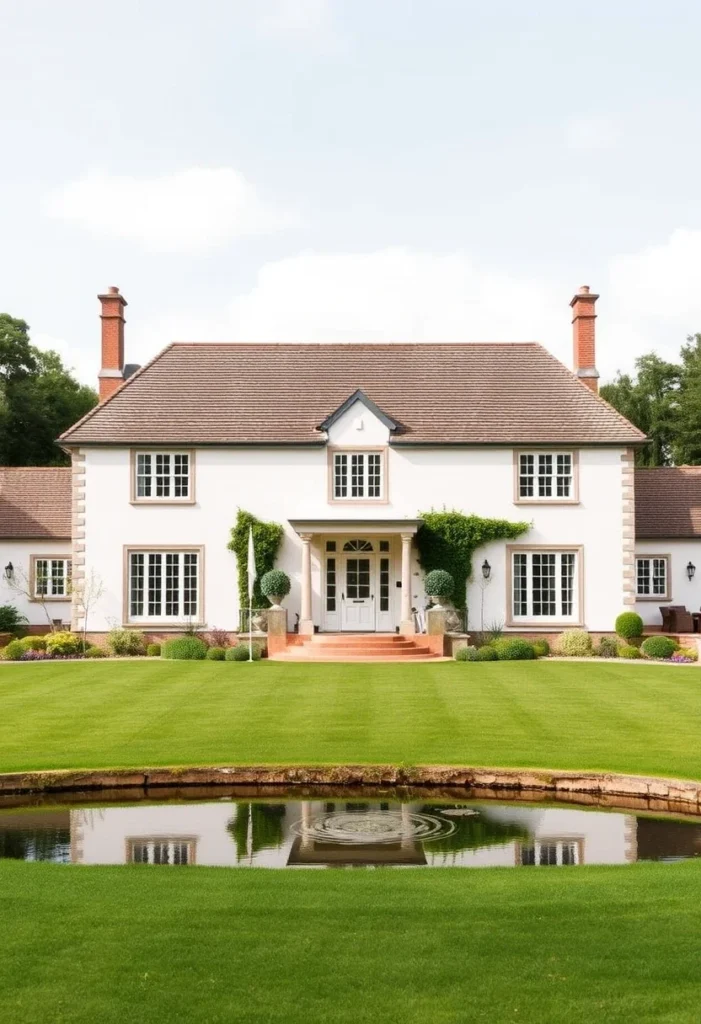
163 476
358 475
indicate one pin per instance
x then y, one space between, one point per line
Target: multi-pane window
384 584
550 853
52 577
163 585
357 475
543 475
163 475
330 584
544 585
652 575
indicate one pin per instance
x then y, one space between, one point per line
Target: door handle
343 597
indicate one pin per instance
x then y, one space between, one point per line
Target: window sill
656 598
162 501
65 598
164 627
544 626
547 501
358 501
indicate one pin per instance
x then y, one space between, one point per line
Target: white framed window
164 586
652 577
162 476
51 577
545 476
545 586
358 476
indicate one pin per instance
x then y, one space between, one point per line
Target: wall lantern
690 570
486 569
9 571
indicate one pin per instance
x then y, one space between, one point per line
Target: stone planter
277 600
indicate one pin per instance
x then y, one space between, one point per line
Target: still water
396 829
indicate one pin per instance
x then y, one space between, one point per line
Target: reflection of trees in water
257 827
36 844
471 832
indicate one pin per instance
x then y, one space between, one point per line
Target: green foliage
541 648
39 399
607 647
649 399
275 583
439 583
14 651
10 619
62 643
686 445
267 538
240 652
658 647
447 540
689 652
629 625
216 654
574 643
33 643
94 652
257 827
467 653
184 648
486 653
153 651
513 649
628 651
126 642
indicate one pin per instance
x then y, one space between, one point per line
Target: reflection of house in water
341 833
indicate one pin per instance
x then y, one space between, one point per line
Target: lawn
82 945
607 716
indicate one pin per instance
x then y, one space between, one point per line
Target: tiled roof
668 502
203 393
35 502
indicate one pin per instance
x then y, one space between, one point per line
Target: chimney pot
584 337
111 374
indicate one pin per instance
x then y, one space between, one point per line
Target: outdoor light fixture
9 571
690 570
486 569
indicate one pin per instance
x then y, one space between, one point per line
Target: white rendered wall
681 590
20 552
280 484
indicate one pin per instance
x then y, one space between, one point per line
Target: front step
357 647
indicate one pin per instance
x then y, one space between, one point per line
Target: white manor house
345 445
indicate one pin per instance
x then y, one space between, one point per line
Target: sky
351 170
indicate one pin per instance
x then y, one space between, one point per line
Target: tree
687 444
39 399
650 400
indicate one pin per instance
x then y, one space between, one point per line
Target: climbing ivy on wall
447 540
267 538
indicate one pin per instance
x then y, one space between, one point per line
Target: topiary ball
184 648
658 647
439 583
629 625
216 654
275 583
628 651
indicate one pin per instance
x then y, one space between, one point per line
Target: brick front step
357 647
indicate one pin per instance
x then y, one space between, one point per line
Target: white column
306 625
406 626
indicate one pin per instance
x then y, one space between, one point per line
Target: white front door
358 593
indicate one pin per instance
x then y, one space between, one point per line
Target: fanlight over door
357 545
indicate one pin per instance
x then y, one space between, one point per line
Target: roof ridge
350 344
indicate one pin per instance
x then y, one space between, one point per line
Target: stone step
359 638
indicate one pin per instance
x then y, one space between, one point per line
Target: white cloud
592 132
188 210
73 358
297 21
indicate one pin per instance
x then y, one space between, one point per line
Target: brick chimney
584 337
112 316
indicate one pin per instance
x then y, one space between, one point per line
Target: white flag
251 563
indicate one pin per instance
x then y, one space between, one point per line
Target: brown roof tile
202 393
668 502
35 502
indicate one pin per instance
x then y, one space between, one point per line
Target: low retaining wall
587 787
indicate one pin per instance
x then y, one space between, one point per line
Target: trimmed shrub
629 625
240 653
607 647
541 648
126 642
574 643
486 653
14 651
34 643
275 583
439 583
628 651
467 653
216 654
94 652
184 648
10 619
513 649
62 643
658 647
153 650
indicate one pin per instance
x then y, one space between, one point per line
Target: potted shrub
439 585
275 585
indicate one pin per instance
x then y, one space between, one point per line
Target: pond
321 829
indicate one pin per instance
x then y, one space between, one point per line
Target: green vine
267 538
447 540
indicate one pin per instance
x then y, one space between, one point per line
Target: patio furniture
676 619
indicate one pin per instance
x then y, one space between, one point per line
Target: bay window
545 586
164 586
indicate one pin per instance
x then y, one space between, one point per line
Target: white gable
358 427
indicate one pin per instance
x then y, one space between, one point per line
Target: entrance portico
363 564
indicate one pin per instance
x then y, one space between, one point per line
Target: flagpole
251 571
